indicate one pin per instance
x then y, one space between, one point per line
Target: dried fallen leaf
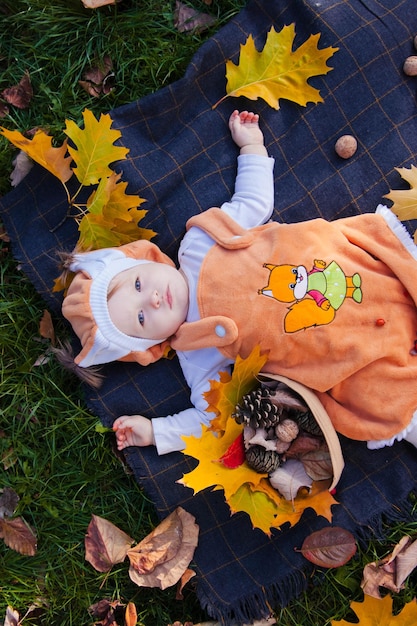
18 535
105 544
391 571
8 502
98 79
329 547
289 478
164 555
22 165
317 463
103 612
95 4
12 617
131 615
185 578
46 327
188 19
19 95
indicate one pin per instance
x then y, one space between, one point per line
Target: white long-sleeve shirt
251 205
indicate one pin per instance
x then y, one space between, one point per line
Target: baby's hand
133 430
246 134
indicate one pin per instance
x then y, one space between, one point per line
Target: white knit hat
85 305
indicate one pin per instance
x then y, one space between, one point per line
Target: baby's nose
155 300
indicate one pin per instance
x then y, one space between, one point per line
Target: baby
332 303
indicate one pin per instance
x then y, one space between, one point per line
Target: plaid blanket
182 161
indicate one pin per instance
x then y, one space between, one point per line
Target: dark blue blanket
182 161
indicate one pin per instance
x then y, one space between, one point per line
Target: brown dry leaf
95 4
22 165
18 535
98 79
391 571
164 555
105 544
21 94
317 463
329 547
131 615
104 612
3 235
46 327
185 578
12 617
302 444
188 19
4 109
8 502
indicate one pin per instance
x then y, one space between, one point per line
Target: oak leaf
94 147
329 547
41 150
105 544
278 71
374 611
112 217
225 394
405 200
163 556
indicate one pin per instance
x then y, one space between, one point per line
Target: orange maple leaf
374 611
278 71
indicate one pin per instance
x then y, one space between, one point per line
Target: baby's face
149 301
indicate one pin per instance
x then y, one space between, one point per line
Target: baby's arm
245 131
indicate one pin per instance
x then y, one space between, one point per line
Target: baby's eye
137 284
294 270
292 285
141 318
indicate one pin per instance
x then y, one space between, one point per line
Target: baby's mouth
168 296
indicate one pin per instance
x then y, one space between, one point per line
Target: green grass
51 454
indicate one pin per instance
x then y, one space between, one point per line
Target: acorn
262 460
346 146
410 66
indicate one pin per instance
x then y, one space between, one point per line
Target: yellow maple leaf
210 472
225 394
41 150
405 200
94 149
278 71
378 612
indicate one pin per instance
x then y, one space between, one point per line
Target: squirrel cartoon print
315 295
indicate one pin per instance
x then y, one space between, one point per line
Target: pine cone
256 410
262 460
307 422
